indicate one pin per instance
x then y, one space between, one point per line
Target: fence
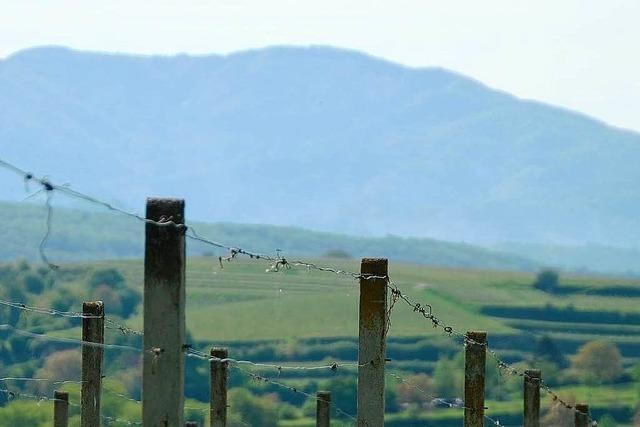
164 347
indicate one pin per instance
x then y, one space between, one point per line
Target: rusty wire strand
277 262
47 234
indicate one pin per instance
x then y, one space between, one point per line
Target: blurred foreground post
164 323
92 356
218 398
582 415
323 409
60 409
532 398
371 343
474 378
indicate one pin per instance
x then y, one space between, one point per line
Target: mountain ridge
321 138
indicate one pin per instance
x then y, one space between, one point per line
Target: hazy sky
582 54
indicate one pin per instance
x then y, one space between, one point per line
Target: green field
306 317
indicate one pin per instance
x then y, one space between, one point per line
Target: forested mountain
320 138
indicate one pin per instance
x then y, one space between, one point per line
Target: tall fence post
532 397
60 409
474 378
323 409
582 415
164 322
92 356
218 398
371 343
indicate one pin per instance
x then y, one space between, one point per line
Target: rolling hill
92 235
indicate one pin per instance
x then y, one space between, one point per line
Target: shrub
106 276
598 362
547 281
32 283
337 254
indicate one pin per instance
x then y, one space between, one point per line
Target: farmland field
305 317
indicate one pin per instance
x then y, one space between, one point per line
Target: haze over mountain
320 138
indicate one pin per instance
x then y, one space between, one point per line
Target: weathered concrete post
474 378
532 398
92 356
164 322
371 343
582 415
218 398
323 409
60 409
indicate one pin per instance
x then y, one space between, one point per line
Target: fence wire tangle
276 263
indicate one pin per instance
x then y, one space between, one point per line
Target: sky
579 54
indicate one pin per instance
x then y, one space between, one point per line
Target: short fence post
371 342
323 409
582 415
164 322
218 402
60 409
532 398
92 356
474 378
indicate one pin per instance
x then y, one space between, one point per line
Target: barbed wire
13 395
49 380
333 367
110 323
426 311
50 311
73 340
434 399
292 389
512 370
278 262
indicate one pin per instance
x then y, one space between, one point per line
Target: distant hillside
82 235
320 138
587 258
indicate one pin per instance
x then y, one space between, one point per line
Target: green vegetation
547 281
300 317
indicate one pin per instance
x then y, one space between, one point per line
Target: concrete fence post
582 415
60 409
323 409
371 342
92 357
474 378
218 398
164 314
532 398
